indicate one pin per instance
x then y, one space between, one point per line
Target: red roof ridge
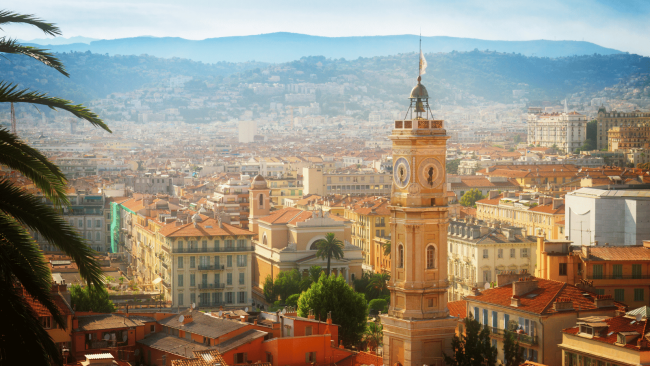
557 294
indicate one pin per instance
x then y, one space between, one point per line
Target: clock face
430 173
401 172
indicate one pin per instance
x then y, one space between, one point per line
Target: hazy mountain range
285 47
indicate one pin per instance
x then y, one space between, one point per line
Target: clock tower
418 328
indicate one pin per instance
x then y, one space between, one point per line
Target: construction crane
13 120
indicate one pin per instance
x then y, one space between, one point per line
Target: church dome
419 91
259 182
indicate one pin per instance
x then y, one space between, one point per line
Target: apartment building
537 214
537 309
88 215
606 340
479 253
231 197
608 120
370 217
210 262
622 272
616 214
566 131
316 181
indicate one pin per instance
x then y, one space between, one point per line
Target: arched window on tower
431 257
261 200
400 257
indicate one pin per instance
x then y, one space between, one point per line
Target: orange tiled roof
544 295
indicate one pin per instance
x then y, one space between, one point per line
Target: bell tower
259 201
418 328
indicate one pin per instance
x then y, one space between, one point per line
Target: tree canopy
348 307
470 197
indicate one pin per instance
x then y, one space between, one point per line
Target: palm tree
22 264
387 247
378 284
313 275
329 248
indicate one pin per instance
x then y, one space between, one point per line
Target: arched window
431 257
261 200
400 257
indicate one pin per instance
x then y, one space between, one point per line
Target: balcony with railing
247 248
522 338
211 267
212 286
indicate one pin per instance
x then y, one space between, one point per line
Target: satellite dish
246 310
136 352
193 305
220 313
181 318
487 285
107 337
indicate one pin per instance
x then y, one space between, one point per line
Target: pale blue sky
618 24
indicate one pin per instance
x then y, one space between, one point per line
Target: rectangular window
617 271
619 294
638 294
180 299
192 262
500 253
229 279
512 253
636 271
192 280
180 280
598 271
563 269
229 261
242 278
180 262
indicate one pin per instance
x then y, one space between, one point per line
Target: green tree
293 300
512 353
348 307
377 304
313 274
387 247
91 298
470 197
374 335
473 348
21 260
378 285
452 166
329 248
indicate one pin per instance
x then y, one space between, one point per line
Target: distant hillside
451 77
285 47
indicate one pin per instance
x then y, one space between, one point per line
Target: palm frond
8 17
47 177
9 93
8 45
27 343
21 257
48 222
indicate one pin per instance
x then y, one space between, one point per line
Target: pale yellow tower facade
418 328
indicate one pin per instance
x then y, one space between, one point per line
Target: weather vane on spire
423 61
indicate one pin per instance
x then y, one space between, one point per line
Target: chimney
524 286
604 301
563 304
